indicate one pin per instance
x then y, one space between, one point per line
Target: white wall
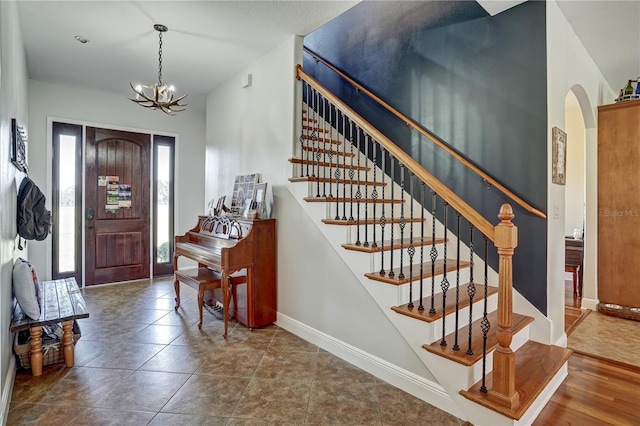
575 187
13 104
252 130
115 111
569 67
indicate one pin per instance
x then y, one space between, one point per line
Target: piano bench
203 279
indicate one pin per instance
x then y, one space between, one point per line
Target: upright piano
235 246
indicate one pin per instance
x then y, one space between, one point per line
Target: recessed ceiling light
82 39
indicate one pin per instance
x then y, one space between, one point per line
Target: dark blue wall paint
474 81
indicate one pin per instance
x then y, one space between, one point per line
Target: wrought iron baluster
444 285
412 250
367 141
456 347
311 128
330 149
391 207
351 171
421 306
344 167
383 220
485 325
358 192
324 147
471 289
316 149
374 192
434 251
402 222
305 89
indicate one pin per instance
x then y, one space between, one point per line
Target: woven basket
52 353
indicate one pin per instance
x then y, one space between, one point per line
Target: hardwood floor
596 391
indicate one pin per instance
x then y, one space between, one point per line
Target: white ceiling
610 31
208 41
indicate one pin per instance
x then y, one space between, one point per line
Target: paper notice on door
113 195
124 195
102 181
110 208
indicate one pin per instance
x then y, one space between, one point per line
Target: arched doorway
581 190
575 200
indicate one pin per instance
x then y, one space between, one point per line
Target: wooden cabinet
619 207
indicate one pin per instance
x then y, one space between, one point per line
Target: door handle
90 217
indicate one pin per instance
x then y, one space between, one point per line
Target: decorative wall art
18 146
559 156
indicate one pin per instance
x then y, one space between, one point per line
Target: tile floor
139 362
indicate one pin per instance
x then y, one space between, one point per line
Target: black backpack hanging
34 220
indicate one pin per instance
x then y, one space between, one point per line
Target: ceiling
610 31
209 41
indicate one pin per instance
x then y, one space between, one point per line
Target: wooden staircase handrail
491 181
475 218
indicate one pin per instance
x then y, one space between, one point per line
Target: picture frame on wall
18 146
559 156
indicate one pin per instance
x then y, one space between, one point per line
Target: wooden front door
117 206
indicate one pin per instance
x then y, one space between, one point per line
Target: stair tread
426 271
460 356
369 221
323 140
329 151
352 200
389 245
536 365
333 180
332 165
450 307
315 129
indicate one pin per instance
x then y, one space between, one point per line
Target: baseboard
426 390
7 390
562 341
590 304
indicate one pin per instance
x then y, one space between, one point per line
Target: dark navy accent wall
474 81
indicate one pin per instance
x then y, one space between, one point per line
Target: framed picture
219 206
18 146
243 189
260 198
559 156
246 210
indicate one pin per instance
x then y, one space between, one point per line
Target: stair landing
536 365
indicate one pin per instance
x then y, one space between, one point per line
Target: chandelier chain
160 59
158 95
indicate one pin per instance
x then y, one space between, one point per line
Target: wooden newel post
503 388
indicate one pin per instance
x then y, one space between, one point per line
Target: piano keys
238 247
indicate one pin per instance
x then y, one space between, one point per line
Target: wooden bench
202 280
61 302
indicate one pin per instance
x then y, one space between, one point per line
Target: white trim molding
7 390
590 304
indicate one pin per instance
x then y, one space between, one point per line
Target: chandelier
158 95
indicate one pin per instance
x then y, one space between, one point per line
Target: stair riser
463 319
432 331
